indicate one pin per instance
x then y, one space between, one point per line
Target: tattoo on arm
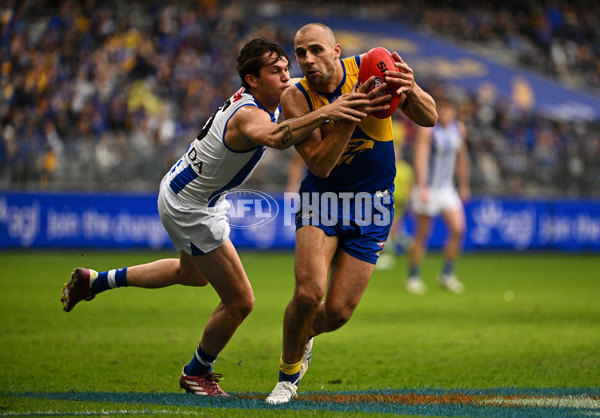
287 133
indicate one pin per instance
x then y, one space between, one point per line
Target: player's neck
266 104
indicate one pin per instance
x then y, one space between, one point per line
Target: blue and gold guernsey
367 163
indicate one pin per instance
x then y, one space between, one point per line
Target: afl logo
376 83
248 208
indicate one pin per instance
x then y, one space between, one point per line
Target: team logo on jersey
238 95
355 147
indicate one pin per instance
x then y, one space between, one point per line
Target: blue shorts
361 221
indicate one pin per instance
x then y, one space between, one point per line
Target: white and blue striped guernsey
445 144
209 168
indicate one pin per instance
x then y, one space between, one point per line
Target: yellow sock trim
289 369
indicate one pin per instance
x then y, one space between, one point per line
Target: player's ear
337 51
251 80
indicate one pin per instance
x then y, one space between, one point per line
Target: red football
375 63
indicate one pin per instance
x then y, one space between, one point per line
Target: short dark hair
251 58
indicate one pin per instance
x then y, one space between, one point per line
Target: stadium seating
105 96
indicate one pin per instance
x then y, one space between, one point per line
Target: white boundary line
547 401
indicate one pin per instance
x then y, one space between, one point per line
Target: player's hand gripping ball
375 63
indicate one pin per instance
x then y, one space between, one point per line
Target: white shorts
440 199
193 229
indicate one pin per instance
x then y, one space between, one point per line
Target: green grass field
527 326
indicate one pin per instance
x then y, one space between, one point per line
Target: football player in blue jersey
351 168
193 208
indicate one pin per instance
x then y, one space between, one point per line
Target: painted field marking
499 402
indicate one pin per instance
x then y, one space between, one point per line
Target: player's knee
307 301
242 308
457 232
247 306
338 317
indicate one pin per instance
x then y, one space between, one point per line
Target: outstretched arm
255 126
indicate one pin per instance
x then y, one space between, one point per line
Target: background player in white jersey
440 153
192 203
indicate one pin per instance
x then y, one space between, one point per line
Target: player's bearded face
321 77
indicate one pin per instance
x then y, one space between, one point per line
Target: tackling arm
255 125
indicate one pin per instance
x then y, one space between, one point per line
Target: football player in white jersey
192 206
440 154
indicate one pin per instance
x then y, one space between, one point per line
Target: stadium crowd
102 96
557 38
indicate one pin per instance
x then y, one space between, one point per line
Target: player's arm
415 103
321 154
422 149
255 125
317 154
463 167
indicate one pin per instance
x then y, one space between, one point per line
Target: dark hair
251 58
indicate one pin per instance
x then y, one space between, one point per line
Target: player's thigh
453 213
313 254
223 269
348 280
189 274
